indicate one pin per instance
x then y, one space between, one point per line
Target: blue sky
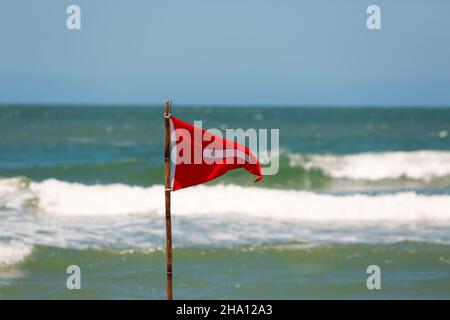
233 52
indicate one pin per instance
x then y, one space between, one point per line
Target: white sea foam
73 215
13 253
420 165
61 198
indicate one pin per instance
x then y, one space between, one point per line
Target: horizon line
218 105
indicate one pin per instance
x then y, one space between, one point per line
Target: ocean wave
73 199
13 253
419 165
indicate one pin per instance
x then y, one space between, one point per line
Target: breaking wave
61 198
419 165
13 253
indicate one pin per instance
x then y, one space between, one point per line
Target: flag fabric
198 156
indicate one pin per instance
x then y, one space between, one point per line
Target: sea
358 189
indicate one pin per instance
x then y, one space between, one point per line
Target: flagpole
167 197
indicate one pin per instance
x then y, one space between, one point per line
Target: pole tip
168 108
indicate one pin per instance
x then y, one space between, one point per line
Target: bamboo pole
167 198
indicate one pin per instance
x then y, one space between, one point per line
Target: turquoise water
356 187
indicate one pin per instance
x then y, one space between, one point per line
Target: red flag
199 156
